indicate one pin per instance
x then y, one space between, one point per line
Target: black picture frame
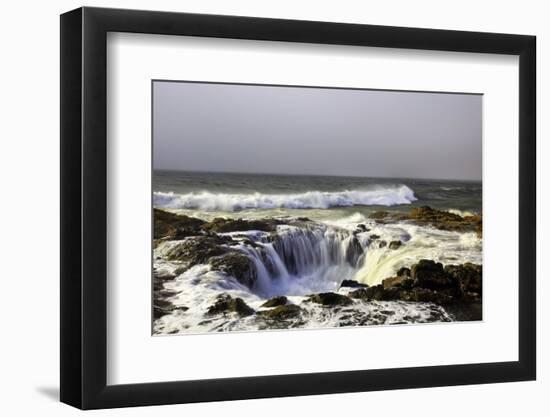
84 207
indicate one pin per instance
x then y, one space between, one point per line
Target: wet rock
426 295
478 224
352 284
429 282
275 301
163 275
375 293
427 213
166 293
163 307
387 312
404 272
159 312
467 275
427 216
162 304
379 215
157 285
330 299
382 244
388 294
429 274
247 241
395 244
282 312
445 220
180 270
362 228
399 281
172 226
226 304
198 250
361 294
374 236
159 278
223 225
236 264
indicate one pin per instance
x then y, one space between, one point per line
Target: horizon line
311 175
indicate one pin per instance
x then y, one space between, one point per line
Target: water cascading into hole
299 261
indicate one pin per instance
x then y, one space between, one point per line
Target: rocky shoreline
427 216
451 292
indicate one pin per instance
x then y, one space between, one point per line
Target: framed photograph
257 208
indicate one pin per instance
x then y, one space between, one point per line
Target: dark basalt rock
478 225
180 270
330 299
395 244
467 275
428 216
361 294
223 225
157 285
172 226
426 296
198 250
163 275
362 228
429 282
446 221
236 264
375 293
382 244
163 307
226 304
399 281
426 213
429 274
282 312
374 236
387 294
275 301
350 283
404 272
214 250
247 241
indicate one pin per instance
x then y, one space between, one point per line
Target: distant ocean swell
208 201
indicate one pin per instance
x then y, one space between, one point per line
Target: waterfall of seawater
301 260
298 261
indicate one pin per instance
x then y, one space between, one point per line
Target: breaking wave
209 201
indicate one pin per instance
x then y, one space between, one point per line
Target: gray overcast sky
286 130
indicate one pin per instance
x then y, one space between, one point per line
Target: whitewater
336 241
302 262
209 201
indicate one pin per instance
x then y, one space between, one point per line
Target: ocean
256 194
312 257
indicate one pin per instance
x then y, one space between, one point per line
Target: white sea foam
447 247
461 213
198 288
312 260
209 201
